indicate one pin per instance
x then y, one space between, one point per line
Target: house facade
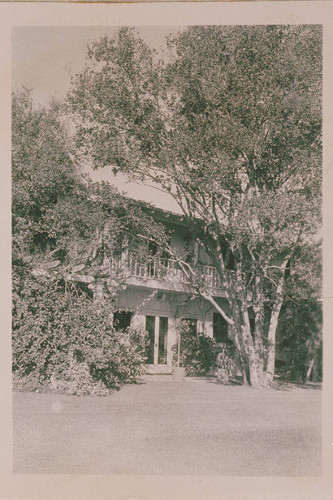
157 294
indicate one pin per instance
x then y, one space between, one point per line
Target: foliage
229 124
225 357
68 338
43 172
300 339
199 354
299 334
67 232
56 208
232 102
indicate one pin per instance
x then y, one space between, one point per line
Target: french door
157 328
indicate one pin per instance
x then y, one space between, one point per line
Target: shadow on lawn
233 381
288 385
278 384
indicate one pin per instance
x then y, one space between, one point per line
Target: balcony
164 273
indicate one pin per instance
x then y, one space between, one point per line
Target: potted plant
223 365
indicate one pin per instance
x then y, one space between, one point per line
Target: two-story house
158 294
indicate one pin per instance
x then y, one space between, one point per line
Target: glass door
150 328
156 351
162 341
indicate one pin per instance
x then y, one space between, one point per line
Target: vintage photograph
166 249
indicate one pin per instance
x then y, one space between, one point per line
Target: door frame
157 339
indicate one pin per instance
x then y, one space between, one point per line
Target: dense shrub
200 354
299 340
299 332
226 357
66 339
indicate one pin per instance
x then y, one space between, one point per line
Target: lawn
163 427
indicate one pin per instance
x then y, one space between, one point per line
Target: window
158 259
228 256
220 329
252 325
121 320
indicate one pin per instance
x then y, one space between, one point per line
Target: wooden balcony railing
168 270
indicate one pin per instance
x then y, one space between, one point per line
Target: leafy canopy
229 123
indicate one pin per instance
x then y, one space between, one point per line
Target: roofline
167 215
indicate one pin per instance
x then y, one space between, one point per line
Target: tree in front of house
229 124
67 232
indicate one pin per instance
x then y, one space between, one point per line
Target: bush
226 357
198 353
67 340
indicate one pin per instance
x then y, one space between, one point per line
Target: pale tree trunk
309 370
240 346
238 335
245 328
234 328
250 349
244 343
249 346
251 364
270 367
258 308
250 359
240 354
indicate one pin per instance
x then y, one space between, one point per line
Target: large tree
59 216
66 232
229 124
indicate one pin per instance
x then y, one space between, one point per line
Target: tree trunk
240 354
309 370
250 349
244 344
270 367
258 307
249 346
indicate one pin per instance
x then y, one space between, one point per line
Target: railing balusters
166 269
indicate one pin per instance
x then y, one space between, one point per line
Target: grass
162 427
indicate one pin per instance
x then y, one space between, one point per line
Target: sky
45 58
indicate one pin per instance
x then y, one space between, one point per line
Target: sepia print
166 250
